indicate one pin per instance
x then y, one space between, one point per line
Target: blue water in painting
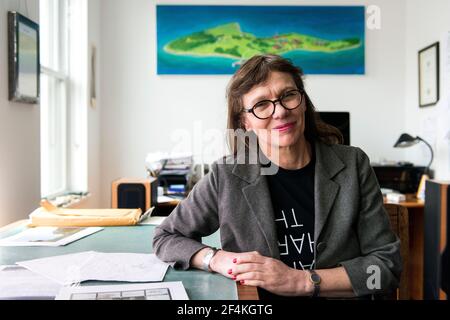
328 22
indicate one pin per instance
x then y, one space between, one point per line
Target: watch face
315 278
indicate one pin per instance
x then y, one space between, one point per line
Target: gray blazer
352 228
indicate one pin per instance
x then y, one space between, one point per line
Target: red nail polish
230 271
242 281
234 260
234 277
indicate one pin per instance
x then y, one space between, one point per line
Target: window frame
67 72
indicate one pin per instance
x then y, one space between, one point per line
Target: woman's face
284 127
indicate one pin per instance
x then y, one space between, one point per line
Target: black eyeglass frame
274 103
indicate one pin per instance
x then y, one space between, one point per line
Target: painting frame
428 64
23 59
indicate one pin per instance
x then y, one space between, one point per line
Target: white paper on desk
142 291
91 265
47 236
17 282
155 221
166 199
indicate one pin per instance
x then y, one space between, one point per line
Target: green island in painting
229 41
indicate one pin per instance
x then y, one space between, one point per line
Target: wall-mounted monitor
340 120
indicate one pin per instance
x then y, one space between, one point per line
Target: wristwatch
207 259
315 279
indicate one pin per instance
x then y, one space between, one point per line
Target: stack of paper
91 265
19 283
395 197
155 221
47 236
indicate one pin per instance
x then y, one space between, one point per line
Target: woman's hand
253 269
223 262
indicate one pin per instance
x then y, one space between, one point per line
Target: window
63 111
54 103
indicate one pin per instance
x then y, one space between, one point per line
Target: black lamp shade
405 141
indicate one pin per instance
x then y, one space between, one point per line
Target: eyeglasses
264 109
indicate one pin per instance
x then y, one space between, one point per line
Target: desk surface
410 202
199 285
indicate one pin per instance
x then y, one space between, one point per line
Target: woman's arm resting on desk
178 238
273 275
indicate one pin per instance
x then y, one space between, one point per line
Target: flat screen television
340 120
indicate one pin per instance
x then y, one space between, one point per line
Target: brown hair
255 71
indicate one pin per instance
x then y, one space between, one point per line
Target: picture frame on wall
23 59
93 82
429 75
218 39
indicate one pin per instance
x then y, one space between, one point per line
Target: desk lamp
407 140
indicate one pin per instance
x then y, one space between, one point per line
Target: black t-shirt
292 194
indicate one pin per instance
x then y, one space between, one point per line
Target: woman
315 226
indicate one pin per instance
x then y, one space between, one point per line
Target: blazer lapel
328 164
258 199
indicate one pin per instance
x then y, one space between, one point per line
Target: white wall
138 111
19 134
141 110
427 22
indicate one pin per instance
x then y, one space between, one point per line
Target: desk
416 223
199 285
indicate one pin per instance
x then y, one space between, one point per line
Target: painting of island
199 39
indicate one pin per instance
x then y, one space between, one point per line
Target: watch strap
207 259
315 279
